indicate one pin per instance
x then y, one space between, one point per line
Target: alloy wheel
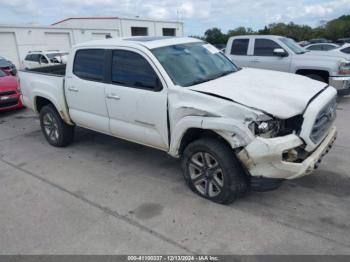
206 174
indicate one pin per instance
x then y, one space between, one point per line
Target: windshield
292 45
2 74
194 63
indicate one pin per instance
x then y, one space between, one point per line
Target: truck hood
279 94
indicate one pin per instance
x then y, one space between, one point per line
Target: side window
43 60
132 70
265 47
240 47
314 48
89 64
169 32
28 58
328 47
346 50
139 31
35 58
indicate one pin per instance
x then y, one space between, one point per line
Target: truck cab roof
147 42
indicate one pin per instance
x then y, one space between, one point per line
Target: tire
317 77
212 171
55 130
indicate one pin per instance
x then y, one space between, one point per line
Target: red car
10 94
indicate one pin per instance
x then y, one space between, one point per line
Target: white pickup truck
233 129
283 54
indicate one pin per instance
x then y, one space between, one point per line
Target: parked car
321 47
9 92
303 43
36 59
283 54
319 40
232 128
343 41
341 52
7 66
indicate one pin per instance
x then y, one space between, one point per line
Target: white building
16 41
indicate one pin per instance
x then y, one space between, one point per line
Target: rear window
89 64
240 47
346 50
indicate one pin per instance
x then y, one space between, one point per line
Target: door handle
255 61
113 96
73 89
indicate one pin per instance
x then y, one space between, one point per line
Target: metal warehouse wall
15 42
155 27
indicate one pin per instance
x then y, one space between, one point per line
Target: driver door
263 56
136 99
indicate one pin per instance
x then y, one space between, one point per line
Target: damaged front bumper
264 157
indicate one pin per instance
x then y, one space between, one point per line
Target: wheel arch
193 134
323 73
191 128
41 100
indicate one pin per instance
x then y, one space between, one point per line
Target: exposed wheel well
322 73
193 134
40 102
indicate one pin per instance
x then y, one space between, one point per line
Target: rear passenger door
85 90
263 56
239 52
136 98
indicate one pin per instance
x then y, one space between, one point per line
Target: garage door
8 47
58 41
98 36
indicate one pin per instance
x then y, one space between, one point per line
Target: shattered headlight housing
266 129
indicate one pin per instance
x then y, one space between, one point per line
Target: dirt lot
102 195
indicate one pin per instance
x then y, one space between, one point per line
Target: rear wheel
212 171
55 130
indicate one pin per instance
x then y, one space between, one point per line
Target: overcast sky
198 15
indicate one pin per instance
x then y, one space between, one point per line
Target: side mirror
280 52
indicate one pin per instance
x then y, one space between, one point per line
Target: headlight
265 129
344 68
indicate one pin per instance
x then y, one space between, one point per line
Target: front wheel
212 171
317 77
55 130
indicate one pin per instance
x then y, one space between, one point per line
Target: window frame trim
266 39
109 64
247 53
103 80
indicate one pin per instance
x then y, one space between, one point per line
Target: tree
333 30
215 36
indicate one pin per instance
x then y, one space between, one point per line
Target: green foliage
333 30
215 36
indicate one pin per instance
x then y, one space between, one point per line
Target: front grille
8 102
7 93
323 122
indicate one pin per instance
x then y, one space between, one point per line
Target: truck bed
44 83
57 70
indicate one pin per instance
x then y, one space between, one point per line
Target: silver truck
284 54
